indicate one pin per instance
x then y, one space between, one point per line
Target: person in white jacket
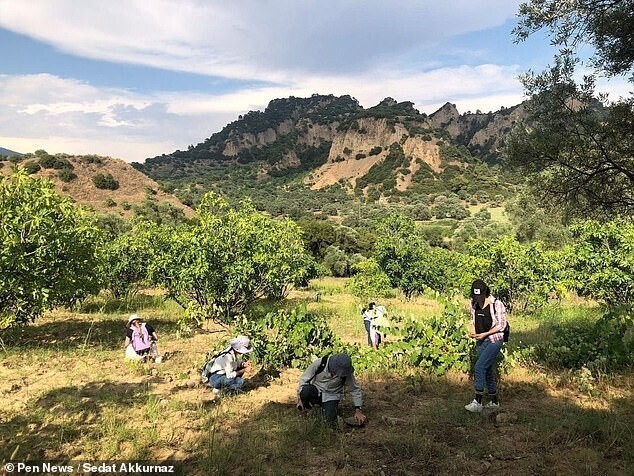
226 369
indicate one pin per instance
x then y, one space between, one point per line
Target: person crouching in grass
140 340
323 384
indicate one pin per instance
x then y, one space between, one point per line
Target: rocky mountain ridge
335 140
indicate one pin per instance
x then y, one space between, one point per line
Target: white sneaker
474 407
215 391
492 405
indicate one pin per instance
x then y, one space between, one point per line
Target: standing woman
488 319
368 315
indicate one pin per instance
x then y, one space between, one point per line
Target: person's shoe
492 406
215 391
473 407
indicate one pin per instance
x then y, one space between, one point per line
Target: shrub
105 181
110 203
124 261
604 346
602 260
289 338
370 281
66 175
436 345
32 167
229 259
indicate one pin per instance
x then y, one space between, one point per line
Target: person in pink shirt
488 320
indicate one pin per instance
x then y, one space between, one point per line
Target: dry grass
67 393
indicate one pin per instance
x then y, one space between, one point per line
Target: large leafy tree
47 249
580 144
232 257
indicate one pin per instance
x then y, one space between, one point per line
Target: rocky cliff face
336 140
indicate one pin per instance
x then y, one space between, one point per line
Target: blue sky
136 78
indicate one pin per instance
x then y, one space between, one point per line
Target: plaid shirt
498 318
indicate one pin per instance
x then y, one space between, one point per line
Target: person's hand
359 417
300 406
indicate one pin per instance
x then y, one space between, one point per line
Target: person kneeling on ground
225 370
323 384
140 340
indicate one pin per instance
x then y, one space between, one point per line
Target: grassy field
67 393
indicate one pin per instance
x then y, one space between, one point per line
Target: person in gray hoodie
323 384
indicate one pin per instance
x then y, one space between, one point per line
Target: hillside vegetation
324 154
104 184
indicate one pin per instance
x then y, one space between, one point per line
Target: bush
66 175
124 261
105 182
229 259
32 167
602 261
370 281
604 346
436 345
289 338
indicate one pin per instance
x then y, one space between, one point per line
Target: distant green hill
328 155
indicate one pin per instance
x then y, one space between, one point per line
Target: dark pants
309 395
367 331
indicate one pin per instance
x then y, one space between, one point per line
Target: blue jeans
484 366
221 381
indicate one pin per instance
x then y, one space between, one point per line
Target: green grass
67 393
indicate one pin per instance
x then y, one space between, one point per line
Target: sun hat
133 317
340 365
241 344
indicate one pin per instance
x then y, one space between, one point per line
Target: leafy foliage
579 144
232 257
602 260
124 261
289 338
48 253
520 275
604 346
436 345
105 181
369 281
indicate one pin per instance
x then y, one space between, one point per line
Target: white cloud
275 40
66 115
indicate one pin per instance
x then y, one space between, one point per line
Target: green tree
578 143
124 261
369 281
602 261
105 181
231 258
521 275
48 253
